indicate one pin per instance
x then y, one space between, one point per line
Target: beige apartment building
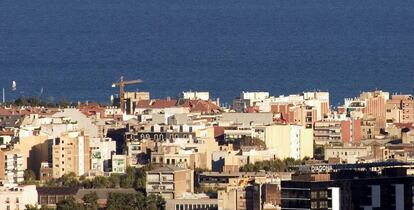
290 140
400 109
35 150
170 182
70 153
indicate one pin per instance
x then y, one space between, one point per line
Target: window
314 195
323 194
314 205
323 204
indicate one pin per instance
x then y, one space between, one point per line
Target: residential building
101 152
46 172
170 182
246 119
34 149
194 95
349 186
400 109
337 132
119 163
71 153
11 166
50 196
192 201
84 122
17 197
290 140
347 154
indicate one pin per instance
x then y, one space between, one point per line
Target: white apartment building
17 197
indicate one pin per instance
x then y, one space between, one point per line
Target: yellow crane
121 85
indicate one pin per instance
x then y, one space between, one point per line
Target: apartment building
337 132
17 197
195 95
400 109
350 186
347 154
101 152
71 153
290 140
11 166
170 182
119 163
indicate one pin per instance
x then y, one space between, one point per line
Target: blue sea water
77 48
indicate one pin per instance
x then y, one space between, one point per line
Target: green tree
29 177
69 180
120 201
115 180
69 204
90 201
140 179
63 103
127 180
136 201
100 182
21 101
31 207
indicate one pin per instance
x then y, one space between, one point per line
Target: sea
75 49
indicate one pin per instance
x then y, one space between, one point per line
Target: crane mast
121 85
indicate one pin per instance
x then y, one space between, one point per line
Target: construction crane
121 85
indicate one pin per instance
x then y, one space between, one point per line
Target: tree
90 201
128 178
68 204
29 177
69 180
100 182
275 165
31 207
115 180
136 201
140 179
120 201
63 103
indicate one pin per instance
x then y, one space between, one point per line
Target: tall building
11 166
339 132
170 182
349 186
400 109
101 151
71 153
290 140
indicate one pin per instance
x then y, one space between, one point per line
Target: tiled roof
57 190
104 193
